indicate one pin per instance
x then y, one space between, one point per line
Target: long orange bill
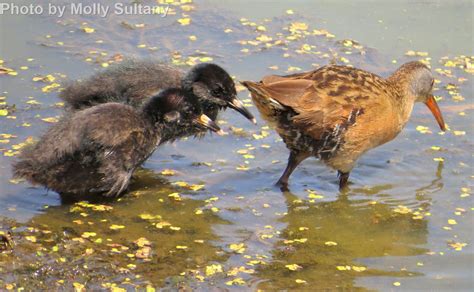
433 106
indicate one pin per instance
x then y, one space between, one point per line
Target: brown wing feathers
322 104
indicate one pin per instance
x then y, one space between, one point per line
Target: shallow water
405 223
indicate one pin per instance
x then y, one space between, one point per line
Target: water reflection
326 244
435 185
326 239
97 244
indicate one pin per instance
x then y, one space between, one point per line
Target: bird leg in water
293 161
343 179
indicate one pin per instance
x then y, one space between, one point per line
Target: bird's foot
283 185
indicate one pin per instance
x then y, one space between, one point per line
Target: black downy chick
96 150
134 81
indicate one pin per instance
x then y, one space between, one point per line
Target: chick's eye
217 91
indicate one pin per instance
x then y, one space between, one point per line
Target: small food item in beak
206 122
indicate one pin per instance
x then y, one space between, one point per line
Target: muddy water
217 220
